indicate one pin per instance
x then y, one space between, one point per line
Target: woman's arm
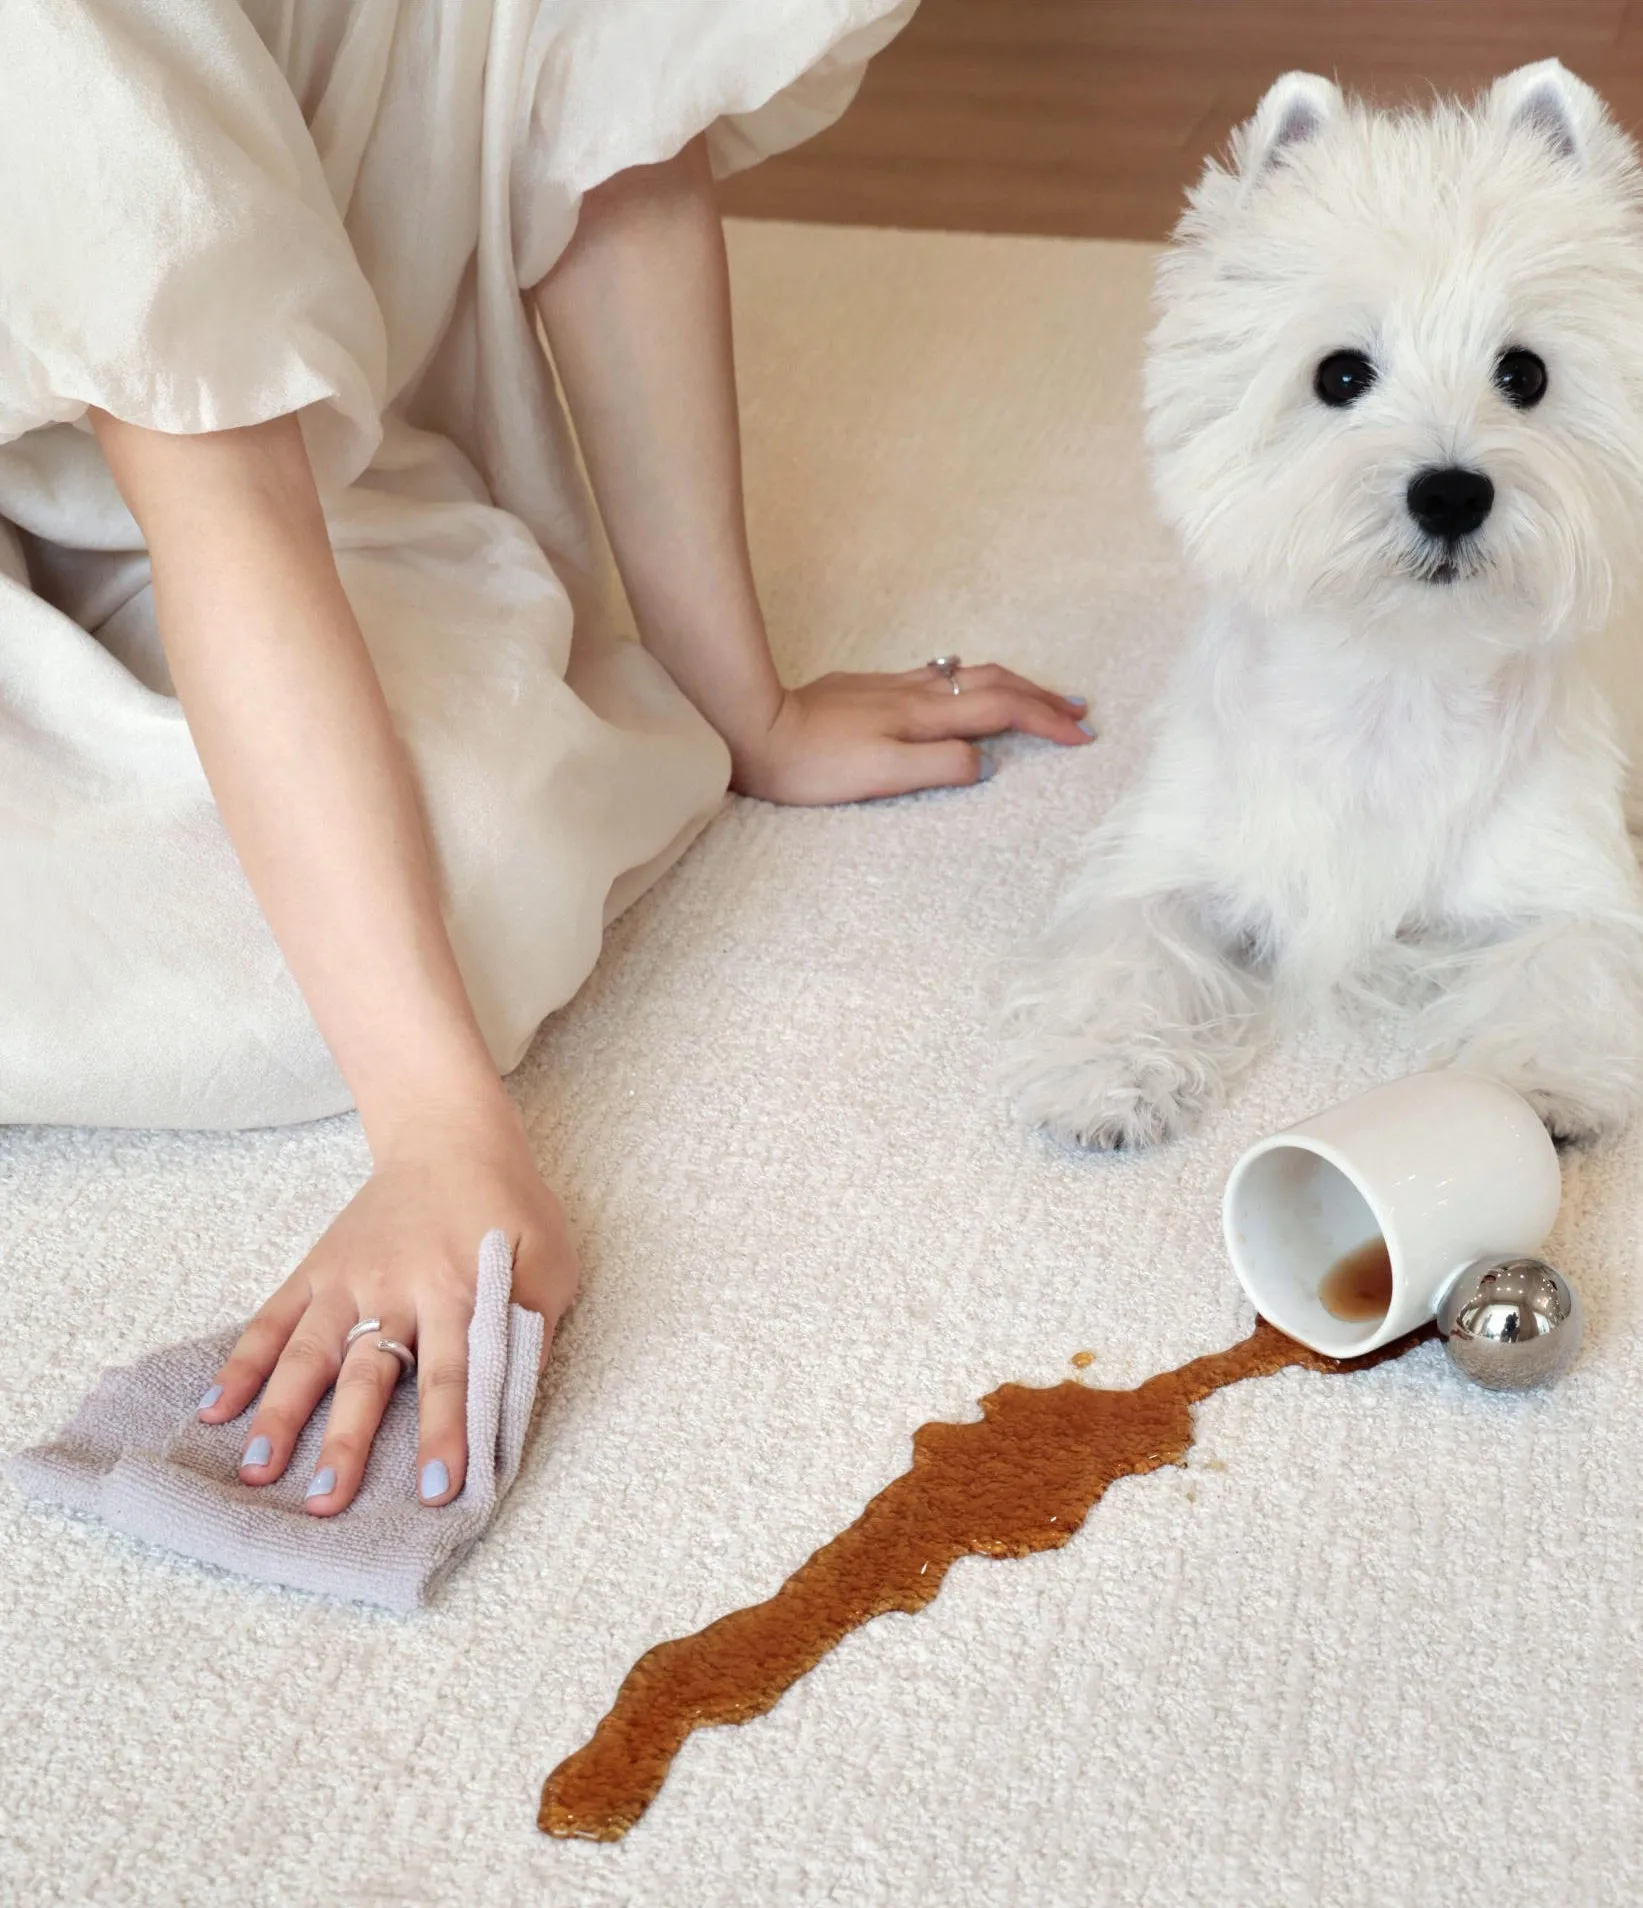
637 312
286 711
289 720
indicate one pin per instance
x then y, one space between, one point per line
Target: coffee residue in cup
1358 1286
1022 1478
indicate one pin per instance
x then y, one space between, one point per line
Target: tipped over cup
1349 1229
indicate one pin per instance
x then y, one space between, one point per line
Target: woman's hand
404 1250
848 738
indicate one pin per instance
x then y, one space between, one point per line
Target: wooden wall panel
1090 117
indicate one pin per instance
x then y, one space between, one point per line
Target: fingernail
989 768
436 1480
258 1451
1090 732
209 1397
322 1483
1078 702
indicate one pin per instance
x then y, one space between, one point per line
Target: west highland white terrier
1395 410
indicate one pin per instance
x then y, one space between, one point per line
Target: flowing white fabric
213 214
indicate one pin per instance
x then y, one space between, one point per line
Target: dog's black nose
1450 503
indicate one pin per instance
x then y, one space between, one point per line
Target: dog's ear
1296 107
1547 101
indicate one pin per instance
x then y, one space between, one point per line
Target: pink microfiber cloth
136 1456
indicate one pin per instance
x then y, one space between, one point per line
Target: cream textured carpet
1378 1642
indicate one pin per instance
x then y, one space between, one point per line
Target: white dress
213 213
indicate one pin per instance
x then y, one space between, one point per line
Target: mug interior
1294 1217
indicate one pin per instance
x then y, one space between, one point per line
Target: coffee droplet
1082 1361
1021 1478
1358 1285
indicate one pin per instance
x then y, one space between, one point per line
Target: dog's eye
1520 377
1342 378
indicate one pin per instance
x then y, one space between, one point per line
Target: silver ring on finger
948 666
406 1357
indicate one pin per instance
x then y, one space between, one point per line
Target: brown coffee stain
1020 1479
1358 1285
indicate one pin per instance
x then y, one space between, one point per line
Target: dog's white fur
1366 783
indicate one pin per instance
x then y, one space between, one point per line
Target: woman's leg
285 709
637 312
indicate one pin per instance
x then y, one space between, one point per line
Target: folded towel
136 1455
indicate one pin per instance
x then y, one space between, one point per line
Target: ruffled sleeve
610 84
168 248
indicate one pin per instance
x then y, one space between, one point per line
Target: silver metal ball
1511 1324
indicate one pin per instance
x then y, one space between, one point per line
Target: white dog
1395 407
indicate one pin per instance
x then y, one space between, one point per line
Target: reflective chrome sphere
1511 1323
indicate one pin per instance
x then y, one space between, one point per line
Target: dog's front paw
1578 1108
1117 1098
1573 1119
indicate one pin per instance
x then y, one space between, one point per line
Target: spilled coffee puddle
1021 1479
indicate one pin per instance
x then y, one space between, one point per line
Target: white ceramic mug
1445 1168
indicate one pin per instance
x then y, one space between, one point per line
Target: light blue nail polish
1078 702
258 1451
209 1397
1090 732
322 1483
989 768
436 1480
